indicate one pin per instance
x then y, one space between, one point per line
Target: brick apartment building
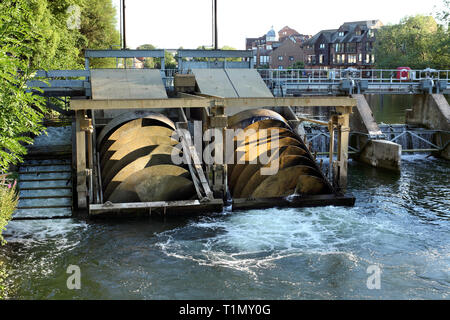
262 48
287 47
349 46
287 53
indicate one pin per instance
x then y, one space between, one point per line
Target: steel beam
124 53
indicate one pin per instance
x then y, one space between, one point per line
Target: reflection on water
400 223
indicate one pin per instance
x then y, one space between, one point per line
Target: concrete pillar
374 150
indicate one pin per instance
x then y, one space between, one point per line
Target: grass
8 203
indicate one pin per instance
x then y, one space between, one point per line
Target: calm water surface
400 223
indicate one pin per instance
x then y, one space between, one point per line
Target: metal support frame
159 53
80 137
337 172
218 120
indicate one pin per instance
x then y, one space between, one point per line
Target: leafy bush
8 203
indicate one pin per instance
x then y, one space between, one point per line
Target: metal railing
336 75
321 81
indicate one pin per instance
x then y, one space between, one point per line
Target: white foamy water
35 231
248 240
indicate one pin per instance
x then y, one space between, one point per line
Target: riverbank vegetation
43 34
417 42
8 203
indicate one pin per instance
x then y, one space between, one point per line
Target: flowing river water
400 224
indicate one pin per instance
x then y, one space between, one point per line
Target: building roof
271 33
349 29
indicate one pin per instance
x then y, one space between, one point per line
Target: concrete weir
432 111
374 149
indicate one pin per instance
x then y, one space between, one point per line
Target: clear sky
170 24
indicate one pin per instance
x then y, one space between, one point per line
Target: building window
333 58
263 59
269 47
322 46
358 32
371 33
338 58
360 57
291 58
339 47
373 59
280 67
352 58
367 58
280 58
341 34
343 58
351 47
321 59
312 59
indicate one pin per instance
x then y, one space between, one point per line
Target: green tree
221 59
21 47
417 42
98 26
152 63
148 62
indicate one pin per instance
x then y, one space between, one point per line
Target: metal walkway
350 81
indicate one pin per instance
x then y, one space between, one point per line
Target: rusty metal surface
310 185
282 184
111 159
247 117
126 191
134 134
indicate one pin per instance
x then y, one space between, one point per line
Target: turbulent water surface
400 224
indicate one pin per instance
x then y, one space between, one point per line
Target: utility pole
216 45
123 26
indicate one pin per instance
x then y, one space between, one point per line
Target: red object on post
403 73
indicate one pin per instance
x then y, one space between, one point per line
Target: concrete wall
433 112
373 150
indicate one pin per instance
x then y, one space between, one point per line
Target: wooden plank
170 207
139 104
80 137
343 137
191 153
127 84
204 103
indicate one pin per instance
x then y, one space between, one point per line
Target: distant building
264 46
349 46
287 53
